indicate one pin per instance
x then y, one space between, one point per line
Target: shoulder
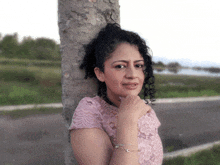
90 102
87 114
88 105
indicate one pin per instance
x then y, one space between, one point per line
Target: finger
120 97
148 109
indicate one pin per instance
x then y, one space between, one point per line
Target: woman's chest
147 125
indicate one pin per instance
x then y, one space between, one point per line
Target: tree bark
79 21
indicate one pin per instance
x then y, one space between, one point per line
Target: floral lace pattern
96 113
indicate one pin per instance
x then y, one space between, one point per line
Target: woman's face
123 72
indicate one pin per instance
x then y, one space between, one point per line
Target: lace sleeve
149 142
86 115
149 122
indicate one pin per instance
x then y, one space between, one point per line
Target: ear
99 74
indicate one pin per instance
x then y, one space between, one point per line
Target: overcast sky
186 31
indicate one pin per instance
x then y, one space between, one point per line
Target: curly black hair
100 49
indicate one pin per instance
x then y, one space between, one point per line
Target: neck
112 101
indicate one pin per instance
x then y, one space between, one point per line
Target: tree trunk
79 21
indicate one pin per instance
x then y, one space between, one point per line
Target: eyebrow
126 61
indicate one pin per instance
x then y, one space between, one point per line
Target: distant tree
173 65
160 63
212 69
26 48
197 68
45 42
29 48
46 49
9 45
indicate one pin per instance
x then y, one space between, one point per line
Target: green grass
206 157
27 62
171 86
28 85
16 93
30 112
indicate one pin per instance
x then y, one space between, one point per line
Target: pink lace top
96 113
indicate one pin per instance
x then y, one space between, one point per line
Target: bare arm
93 146
126 134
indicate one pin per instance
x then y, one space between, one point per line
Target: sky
184 31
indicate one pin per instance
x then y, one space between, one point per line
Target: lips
130 86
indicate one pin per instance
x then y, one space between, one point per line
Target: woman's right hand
133 107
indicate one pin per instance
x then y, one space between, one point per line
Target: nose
131 72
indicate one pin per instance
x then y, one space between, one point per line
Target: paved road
35 140
39 140
190 124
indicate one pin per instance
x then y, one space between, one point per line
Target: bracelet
126 150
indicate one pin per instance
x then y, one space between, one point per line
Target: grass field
34 81
27 62
29 84
206 157
170 86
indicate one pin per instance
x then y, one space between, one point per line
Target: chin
131 93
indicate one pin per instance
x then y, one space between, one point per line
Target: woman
117 127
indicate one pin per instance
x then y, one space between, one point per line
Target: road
189 124
39 139
35 140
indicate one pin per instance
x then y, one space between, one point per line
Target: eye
139 66
120 66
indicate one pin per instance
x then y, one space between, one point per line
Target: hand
133 107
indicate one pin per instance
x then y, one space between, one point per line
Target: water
188 72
